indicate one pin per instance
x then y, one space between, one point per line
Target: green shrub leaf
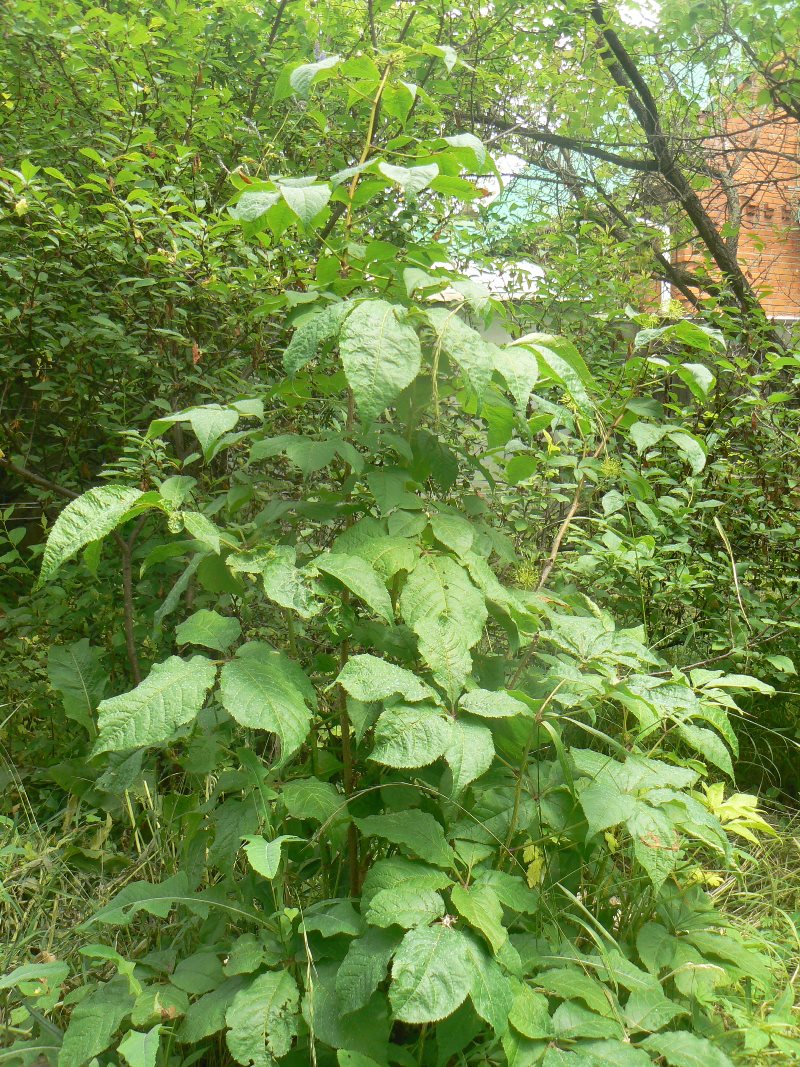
170 696
381 355
89 518
264 690
431 974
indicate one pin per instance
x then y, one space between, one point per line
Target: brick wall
760 151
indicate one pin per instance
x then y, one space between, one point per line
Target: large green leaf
410 735
209 423
416 831
309 798
440 588
559 358
305 199
412 180
77 672
493 705
311 332
520 369
406 906
469 754
209 629
302 77
364 968
490 991
263 690
262 1020
89 518
398 871
368 678
443 648
359 577
465 346
481 908
529 1013
682 1049
381 355
454 531
431 974
170 696
388 555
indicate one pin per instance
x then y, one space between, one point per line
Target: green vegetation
377 693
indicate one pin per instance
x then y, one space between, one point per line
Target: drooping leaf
156 899
416 831
359 577
77 672
89 518
410 735
381 355
364 967
209 629
302 78
469 754
529 1013
310 333
431 974
481 908
261 689
262 1020
170 696
520 370
465 346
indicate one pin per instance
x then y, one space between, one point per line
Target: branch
647 166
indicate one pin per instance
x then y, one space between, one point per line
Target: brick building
758 194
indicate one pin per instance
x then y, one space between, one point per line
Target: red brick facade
759 153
